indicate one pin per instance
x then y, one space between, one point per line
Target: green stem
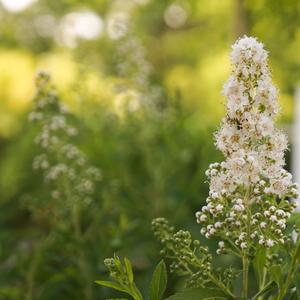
216 281
291 273
245 276
262 284
245 254
35 264
221 285
83 263
237 251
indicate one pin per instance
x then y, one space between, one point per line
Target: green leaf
118 264
267 288
276 274
198 294
259 264
128 269
158 282
136 294
112 285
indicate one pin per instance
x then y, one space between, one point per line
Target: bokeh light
16 6
85 25
175 16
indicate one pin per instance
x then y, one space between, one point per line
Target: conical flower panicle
61 162
248 191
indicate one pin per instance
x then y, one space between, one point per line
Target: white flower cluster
248 195
136 90
61 162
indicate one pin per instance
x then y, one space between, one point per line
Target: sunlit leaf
128 269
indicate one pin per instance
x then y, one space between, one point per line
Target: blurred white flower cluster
134 88
250 192
64 166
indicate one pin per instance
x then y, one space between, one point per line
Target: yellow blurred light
61 66
16 79
214 7
287 107
17 73
200 87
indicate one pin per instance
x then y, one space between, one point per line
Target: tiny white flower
203 218
254 221
263 224
239 207
214 195
280 213
218 225
219 207
269 243
243 245
242 236
250 159
281 223
239 201
213 172
210 206
212 231
204 209
232 214
221 244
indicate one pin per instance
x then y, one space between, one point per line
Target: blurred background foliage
142 80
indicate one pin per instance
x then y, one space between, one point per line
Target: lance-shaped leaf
158 282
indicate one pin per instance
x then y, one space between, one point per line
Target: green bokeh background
153 162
